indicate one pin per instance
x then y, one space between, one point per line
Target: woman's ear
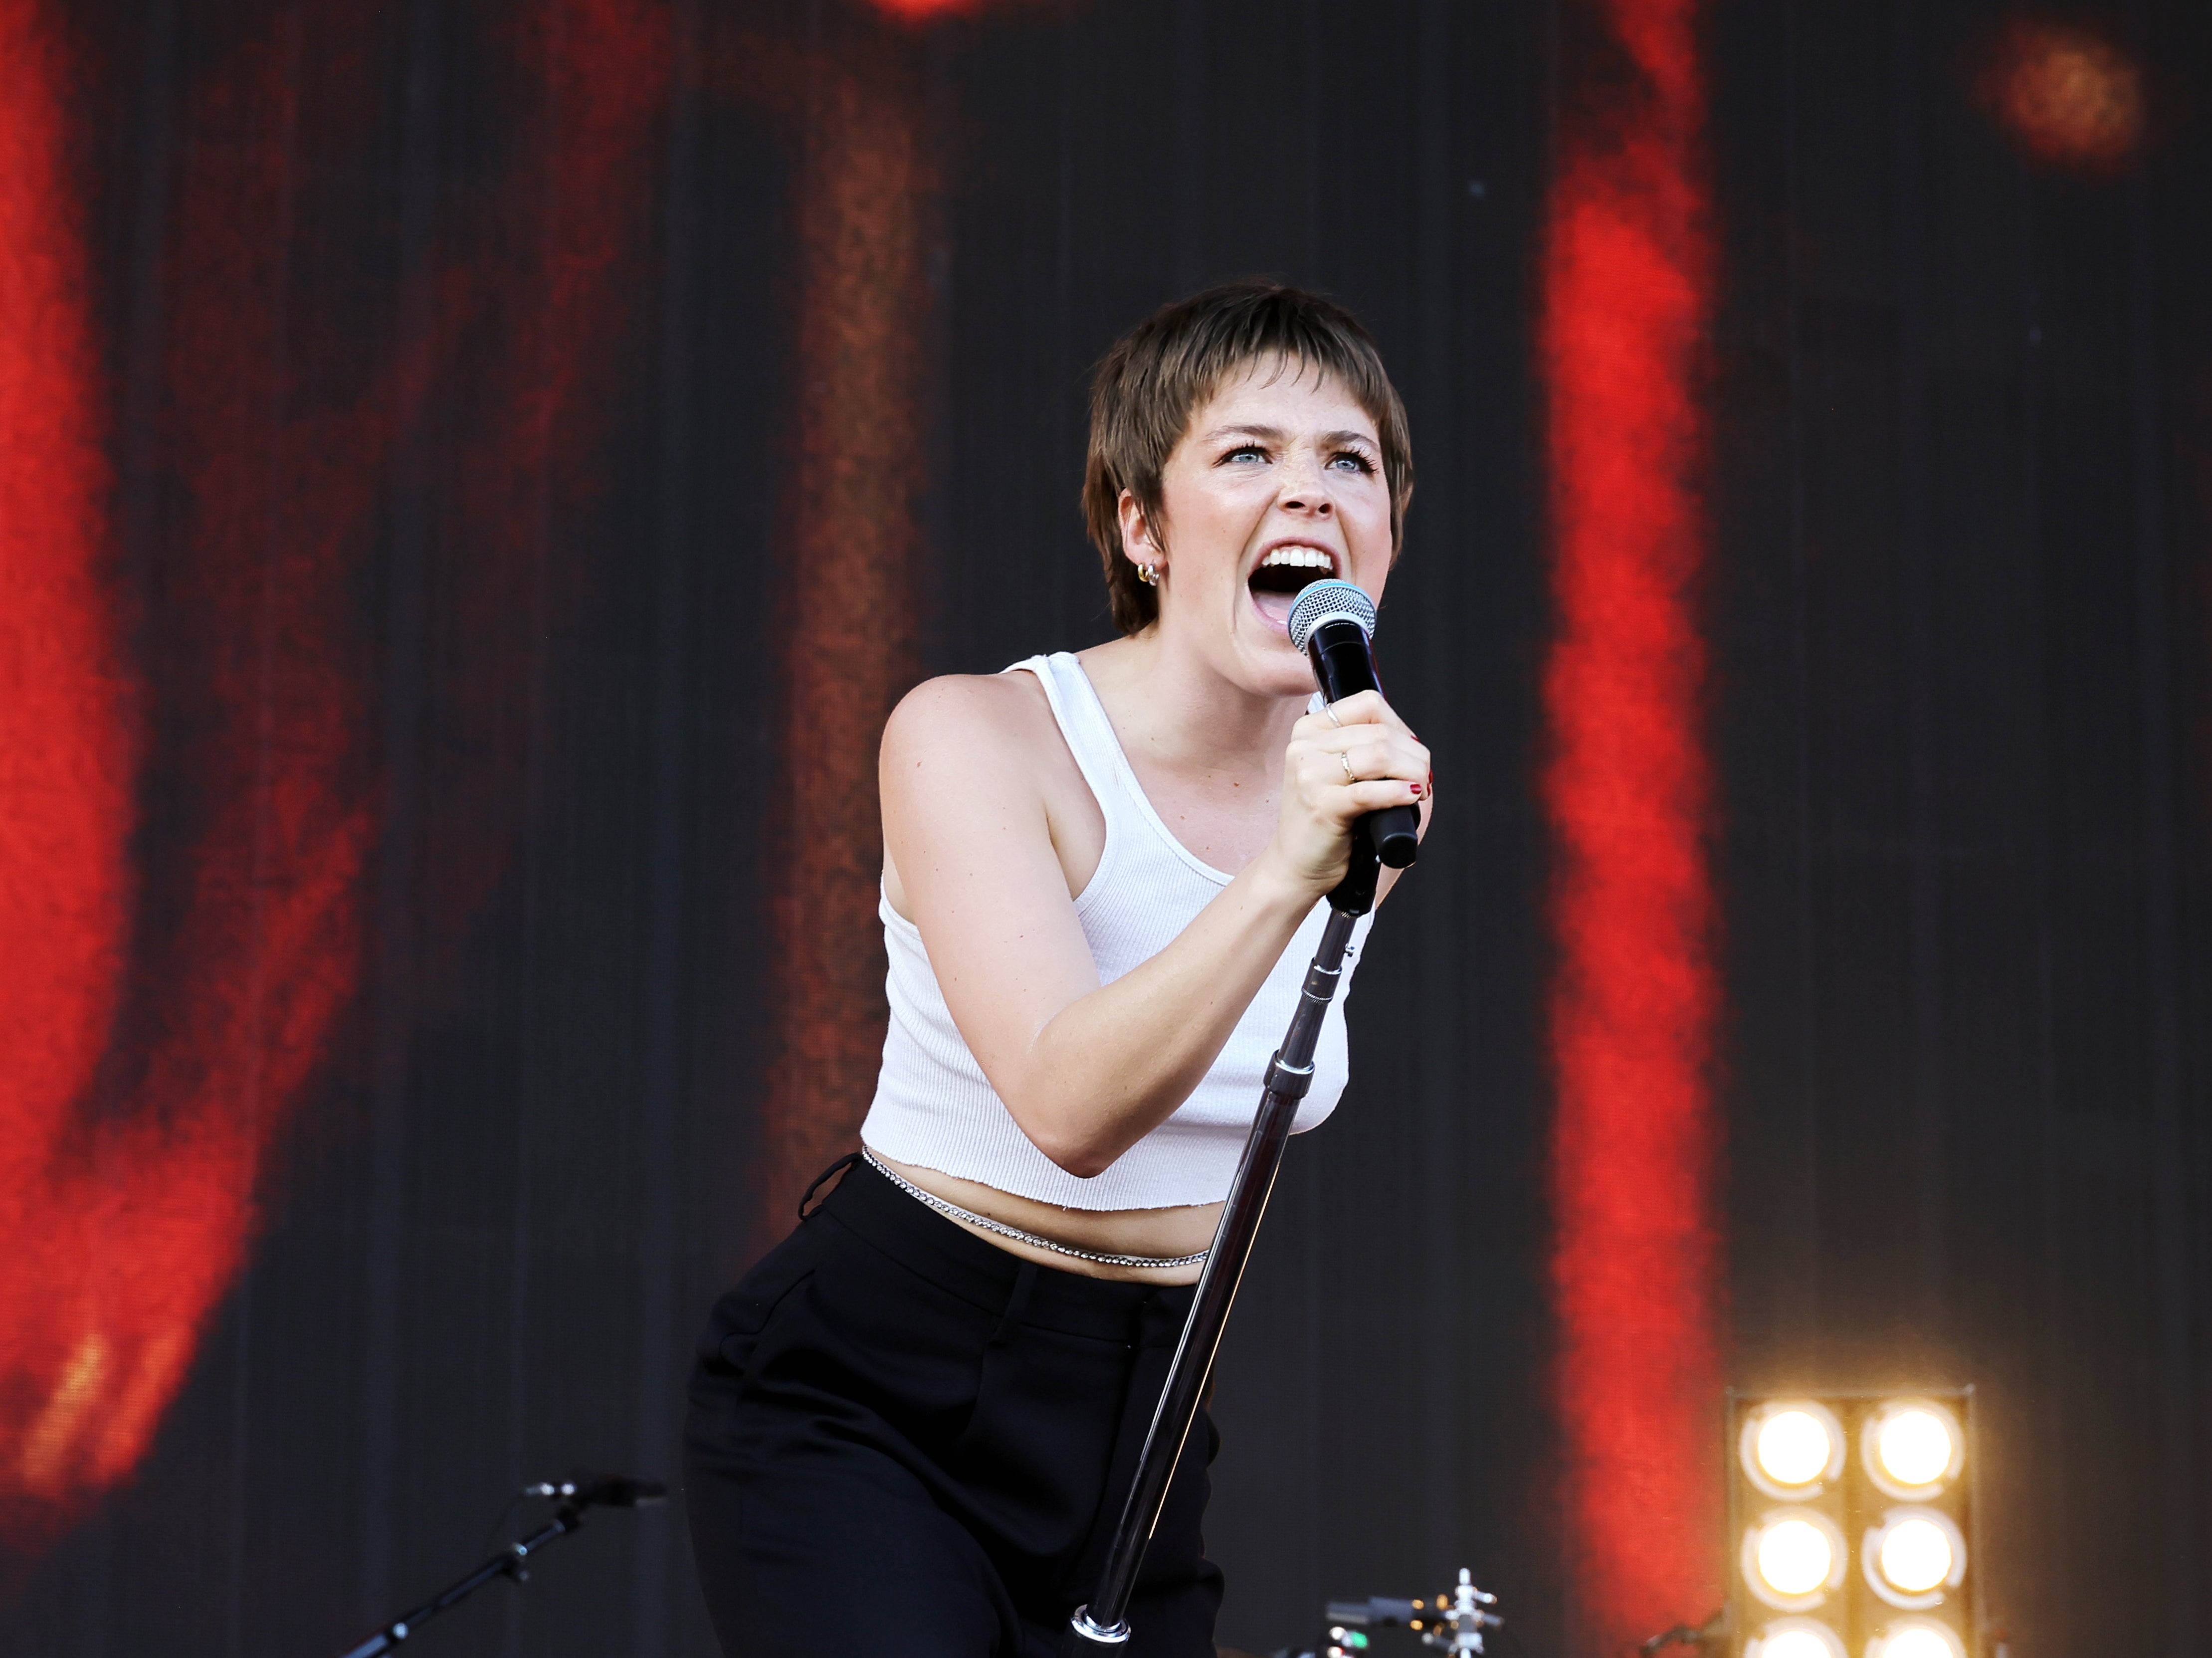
1139 544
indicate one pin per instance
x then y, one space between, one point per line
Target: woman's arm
1088 1070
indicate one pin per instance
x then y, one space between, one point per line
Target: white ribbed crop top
934 1108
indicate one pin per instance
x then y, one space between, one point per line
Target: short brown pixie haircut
1150 383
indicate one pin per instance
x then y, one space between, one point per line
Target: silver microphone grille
1330 600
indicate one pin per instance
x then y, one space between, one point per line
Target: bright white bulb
1794 1449
1917 1642
1915 1447
1795 1557
1794 1644
1916 1557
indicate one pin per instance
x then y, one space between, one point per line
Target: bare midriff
1166 1233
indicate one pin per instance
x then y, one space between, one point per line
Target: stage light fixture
1917 1638
1913 1448
1795 1637
1790 1448
1852 1524
1913 1556
1793 1557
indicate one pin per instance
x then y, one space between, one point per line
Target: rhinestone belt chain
954 1212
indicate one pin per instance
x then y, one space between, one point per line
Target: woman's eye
1245 452
1354 460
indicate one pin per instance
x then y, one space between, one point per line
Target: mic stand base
1096 1635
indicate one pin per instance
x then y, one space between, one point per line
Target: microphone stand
507 1563
572 1497
1102 1623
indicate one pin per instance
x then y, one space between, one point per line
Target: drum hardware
1452 1622
1454 1628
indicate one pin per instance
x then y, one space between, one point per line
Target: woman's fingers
1363 798
1343 782
1339 769
1360 761
1364 709
1368 751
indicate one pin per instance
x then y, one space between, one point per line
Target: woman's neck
1173 707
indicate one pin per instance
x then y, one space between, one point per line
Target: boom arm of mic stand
505 1563
1102 1623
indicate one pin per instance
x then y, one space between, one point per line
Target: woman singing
913 1424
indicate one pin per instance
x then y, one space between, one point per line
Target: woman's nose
1304 494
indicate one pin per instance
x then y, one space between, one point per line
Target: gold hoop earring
1149 575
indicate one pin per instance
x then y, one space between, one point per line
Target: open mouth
1281 576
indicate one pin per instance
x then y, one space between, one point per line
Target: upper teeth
1304 558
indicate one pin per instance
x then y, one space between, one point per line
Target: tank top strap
1082 721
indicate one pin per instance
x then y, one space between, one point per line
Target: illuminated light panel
1792 1558
1795 1637
1913 1448
1795 1557
1627 296
1917 1638
2069 97
1913 1556
1794 1448
1790 1447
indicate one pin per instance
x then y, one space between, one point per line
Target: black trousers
902 1439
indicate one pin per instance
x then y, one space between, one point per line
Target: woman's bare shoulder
979 719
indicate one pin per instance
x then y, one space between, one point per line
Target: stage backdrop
473 478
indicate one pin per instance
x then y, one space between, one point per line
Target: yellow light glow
1795 1557
1919 1641
1793 1449
1915 1556
1915 1447
1794 1644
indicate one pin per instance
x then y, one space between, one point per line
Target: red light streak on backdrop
849 554
68 753
2067 95
149 1050
922 11
1627 293
849 544
549 285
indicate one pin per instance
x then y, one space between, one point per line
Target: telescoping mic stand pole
1341 664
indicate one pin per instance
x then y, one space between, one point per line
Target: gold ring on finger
1348 775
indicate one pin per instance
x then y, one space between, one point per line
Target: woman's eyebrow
1274 435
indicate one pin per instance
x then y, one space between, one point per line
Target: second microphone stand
1102 1623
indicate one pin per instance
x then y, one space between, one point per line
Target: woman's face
1277 482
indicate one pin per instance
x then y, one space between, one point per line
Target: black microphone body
1344 665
